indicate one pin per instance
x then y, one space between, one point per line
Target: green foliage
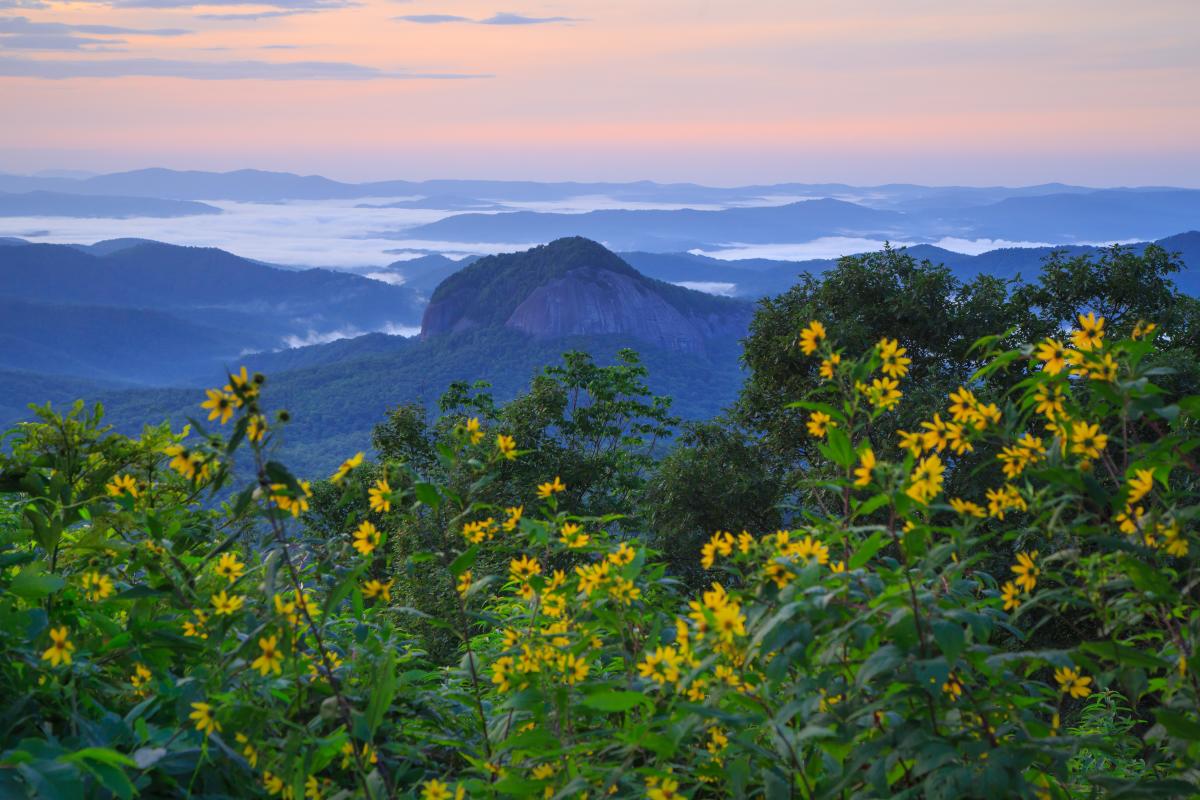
175 627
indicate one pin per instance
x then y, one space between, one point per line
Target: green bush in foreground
156 646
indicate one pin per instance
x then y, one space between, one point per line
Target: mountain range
148 312
641 216
254 185
63 204
1110 215
138 312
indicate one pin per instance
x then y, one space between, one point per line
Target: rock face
576 287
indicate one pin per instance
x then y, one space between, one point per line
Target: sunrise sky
1099 92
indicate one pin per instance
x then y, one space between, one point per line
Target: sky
723 92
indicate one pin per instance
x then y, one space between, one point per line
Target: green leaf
464 561
1124 654
33 584
615 700
950 638
863 553
104 755
840 450
427 493
1179 725
383 692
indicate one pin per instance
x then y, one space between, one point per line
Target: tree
713 479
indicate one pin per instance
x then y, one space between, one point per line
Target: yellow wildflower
1048 400
141 676
226 605
270 659
378 589
574 669
661 666
624 554
1090 335
507 446
122 484
60 648
1071 682
1053 354
819 422
97 586
810 336
1140 485
349 464
229 567
912 442
220 405
524 568
810 549
379 496
1026 570
272 783
1010 594
926 480
828 365
293 503
366 538
514 517
721 543
435 790
967 508
884 393
895 362
545 490
1087 440
572 536
866 464
248 750
203 716
474 432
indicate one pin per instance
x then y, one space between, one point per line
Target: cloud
24 25
308 5
22 33
255 16
433 19
54 41
22 4
507 18
499 18
211 70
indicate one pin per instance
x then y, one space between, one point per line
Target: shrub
170 632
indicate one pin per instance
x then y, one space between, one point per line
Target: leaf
104 755
464 561
882 660
950 638
147 757
383 692
615 700
840 450
874 543
32 584
1124 654
1178 725
427 493
344 587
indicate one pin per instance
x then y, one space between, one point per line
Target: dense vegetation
944 546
